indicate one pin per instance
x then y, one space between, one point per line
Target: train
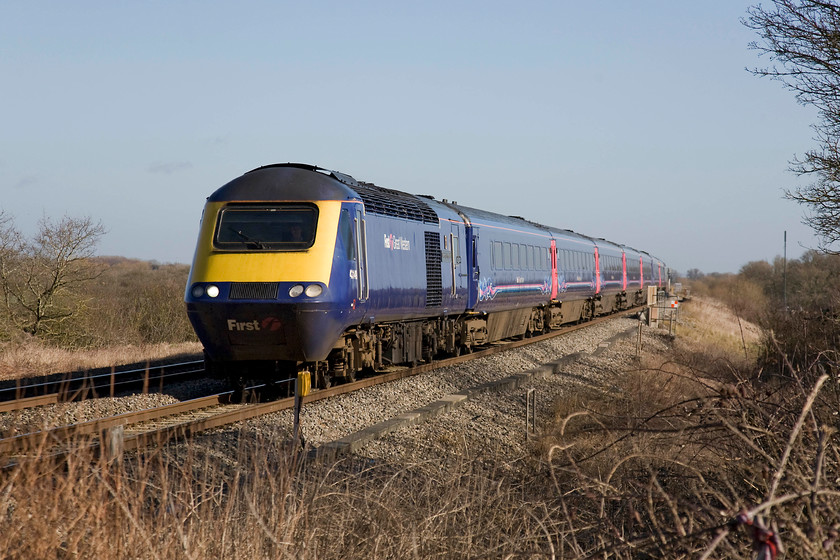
301 270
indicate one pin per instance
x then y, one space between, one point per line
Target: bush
136 302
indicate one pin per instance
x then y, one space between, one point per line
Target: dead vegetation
132 312
664 466
680 457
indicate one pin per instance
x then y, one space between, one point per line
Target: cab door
360 239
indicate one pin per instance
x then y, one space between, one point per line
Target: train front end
272 277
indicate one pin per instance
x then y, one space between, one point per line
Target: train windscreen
266 228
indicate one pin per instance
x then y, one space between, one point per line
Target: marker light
314 290
212 291
197 291
296 290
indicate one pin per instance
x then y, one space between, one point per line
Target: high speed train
302 269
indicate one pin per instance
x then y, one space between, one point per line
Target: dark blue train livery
302 269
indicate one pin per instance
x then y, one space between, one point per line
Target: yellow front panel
311 265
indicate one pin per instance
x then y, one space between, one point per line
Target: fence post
112 443
530 413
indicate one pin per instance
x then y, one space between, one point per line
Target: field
655 462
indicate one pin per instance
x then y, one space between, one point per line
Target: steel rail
98 376
90 385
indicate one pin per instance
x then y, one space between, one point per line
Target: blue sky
633 121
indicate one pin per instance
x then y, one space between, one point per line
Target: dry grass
30 356
183 502
662 467
657 465
710 330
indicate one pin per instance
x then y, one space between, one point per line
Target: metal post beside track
296 425
639 339
530 413
303 384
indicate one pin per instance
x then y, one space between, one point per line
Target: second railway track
68 387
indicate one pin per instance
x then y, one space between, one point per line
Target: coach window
514 256
498 263
506 255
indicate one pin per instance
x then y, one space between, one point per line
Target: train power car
303 269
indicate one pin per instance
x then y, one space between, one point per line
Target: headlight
212 291
314 290
197 291
296 290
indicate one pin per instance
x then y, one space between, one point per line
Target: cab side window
345 235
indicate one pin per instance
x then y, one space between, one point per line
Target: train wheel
322 380
240 393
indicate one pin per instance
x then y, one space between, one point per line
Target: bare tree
802 39
694 274
41 278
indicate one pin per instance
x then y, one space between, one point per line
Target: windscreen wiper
257 244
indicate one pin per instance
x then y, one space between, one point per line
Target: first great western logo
395 243
267 324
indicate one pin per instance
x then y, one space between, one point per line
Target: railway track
69 389
135 430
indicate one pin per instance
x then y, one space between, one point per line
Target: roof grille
254 290
434 283
388 202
